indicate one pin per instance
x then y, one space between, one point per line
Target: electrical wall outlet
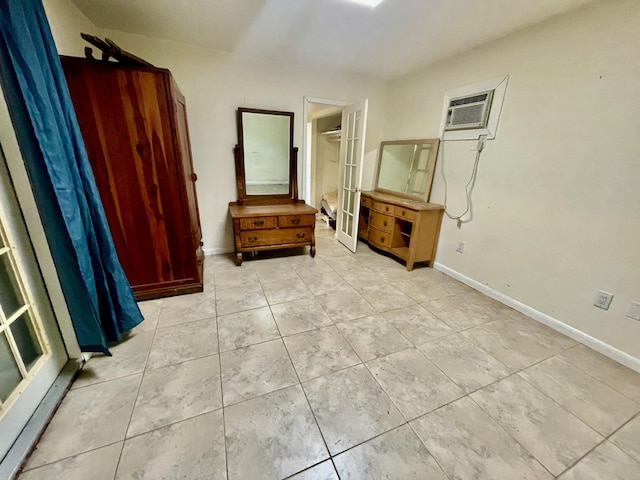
634 311
221 226
603 299
460 248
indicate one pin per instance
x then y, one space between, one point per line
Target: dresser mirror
265 157
406 167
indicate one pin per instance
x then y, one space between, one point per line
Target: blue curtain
96 290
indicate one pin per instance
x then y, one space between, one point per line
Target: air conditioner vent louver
469 112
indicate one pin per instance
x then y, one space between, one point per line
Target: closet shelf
333 135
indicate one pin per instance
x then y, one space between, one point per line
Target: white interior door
31 349
354 123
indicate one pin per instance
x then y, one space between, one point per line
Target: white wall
67 22
557 201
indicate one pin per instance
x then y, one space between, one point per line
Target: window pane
26 339
10 296
9 373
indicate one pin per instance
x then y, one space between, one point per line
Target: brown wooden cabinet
134 124
406 228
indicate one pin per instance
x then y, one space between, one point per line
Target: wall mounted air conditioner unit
471 111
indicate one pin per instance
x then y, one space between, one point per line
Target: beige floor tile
350 407
193 448
628 438
242 329
607 462
415 385
384 297
417 324
239 277
518 344
88 418
300 316
319 352
99 464
128 357
609 372
272 436
240 299
187 308
421 291
286 290
555 437
275 271
150 310
372 337
345 305
590 400
457 312
306 265
177 392
322 471
396 454
256 370
324 283
468 444
360 277
183 342
465 363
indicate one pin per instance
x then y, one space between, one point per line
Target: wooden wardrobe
134 124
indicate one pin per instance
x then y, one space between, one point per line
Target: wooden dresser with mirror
268 214
397 217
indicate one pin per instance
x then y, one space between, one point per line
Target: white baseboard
218 250
578 335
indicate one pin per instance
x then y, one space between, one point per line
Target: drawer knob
403 213
295 221
253 239
300 235
382 239
386 208
384 223
258 223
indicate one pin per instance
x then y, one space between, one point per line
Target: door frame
35 230
305 171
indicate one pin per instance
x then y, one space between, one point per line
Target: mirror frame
241 182
433 156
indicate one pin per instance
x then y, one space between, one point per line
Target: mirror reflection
406 167
267 146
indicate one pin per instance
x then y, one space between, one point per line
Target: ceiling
388 41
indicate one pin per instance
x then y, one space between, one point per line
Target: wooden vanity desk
270 227
397 217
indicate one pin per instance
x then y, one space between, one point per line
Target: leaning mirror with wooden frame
265 157
406 167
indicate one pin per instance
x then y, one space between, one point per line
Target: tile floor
343 366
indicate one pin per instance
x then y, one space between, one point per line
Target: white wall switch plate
221 226
603 300
634 311
460 247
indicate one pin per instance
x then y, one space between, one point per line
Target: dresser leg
238 259
409 266
313 251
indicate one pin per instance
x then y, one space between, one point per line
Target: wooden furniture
134 124
406 228
268 214
397 216
269 227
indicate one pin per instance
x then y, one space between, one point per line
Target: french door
31 349
354 122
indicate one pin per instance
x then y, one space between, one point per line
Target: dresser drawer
366 201
402 212
276 236
286 221
382 222
379 237
382 207
256 223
